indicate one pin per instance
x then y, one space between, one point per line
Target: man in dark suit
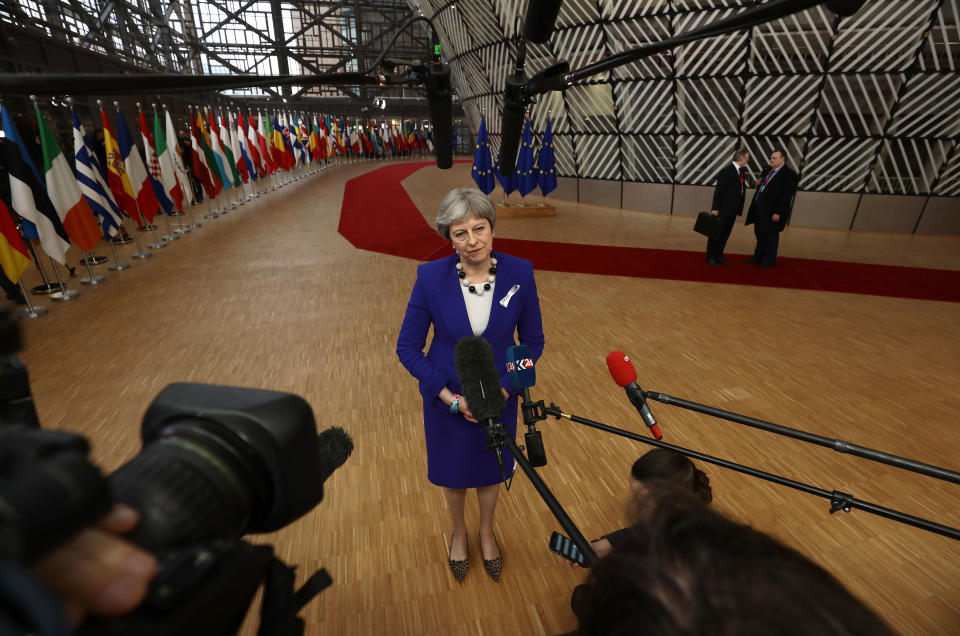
770 208
728 198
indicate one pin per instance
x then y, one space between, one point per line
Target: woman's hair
686 569
459 204
664 465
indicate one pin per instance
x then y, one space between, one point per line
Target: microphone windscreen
510 133
334 446
441 113
621 368
539 20
479 380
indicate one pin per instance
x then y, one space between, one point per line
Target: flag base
193 225
94 260
96 279
45 288
141 255
512 211
171 237
64 295
181 231
116 267
156 246
122 239
147 228
211 215
31 312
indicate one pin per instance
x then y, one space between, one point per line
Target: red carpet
378 216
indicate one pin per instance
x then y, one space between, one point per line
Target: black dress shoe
751 260
713 261
723 261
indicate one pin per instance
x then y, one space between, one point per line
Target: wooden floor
271 296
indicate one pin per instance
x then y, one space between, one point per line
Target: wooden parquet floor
272 296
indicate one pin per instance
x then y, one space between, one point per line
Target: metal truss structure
266 37
864 104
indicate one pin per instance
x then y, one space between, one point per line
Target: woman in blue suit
473 292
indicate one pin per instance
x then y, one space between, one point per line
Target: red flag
14 256
199 162
117 177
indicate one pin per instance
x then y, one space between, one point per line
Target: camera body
217 463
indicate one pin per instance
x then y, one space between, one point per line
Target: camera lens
198 480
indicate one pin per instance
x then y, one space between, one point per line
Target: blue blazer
456 449
438 300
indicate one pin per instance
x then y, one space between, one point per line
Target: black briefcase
708 225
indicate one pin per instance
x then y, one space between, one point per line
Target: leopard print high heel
493 566
458 568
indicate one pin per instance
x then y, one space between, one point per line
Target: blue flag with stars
482 171
525 172
509 184
546 163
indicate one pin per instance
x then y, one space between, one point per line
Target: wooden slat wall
271 296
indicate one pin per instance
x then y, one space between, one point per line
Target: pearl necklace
475 288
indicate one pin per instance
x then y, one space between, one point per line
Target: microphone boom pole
552 80
838 500
548 498
838 445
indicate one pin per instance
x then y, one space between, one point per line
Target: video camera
217 463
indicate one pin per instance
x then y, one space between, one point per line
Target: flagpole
157 243
92 279
64 294
116 266
47 287
170 235
141 254
31 311
92 259
122 238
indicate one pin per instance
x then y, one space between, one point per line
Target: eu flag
546 163
482 172
509 184
525 172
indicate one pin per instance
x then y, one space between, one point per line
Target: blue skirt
457 452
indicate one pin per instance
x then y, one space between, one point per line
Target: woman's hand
464 410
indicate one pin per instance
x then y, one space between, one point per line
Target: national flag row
59 205
527 175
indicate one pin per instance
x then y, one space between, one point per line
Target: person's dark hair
783 153
740 153
687 570
664 465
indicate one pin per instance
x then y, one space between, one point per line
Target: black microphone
522 376
480 383
441 112
539 20
512 123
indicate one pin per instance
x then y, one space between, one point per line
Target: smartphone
566 548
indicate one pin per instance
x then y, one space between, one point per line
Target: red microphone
626 376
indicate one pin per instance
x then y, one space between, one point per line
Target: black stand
838 500
497 434
838 445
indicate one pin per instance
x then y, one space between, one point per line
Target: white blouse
478 308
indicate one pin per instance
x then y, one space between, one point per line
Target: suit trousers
768 240
715 246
